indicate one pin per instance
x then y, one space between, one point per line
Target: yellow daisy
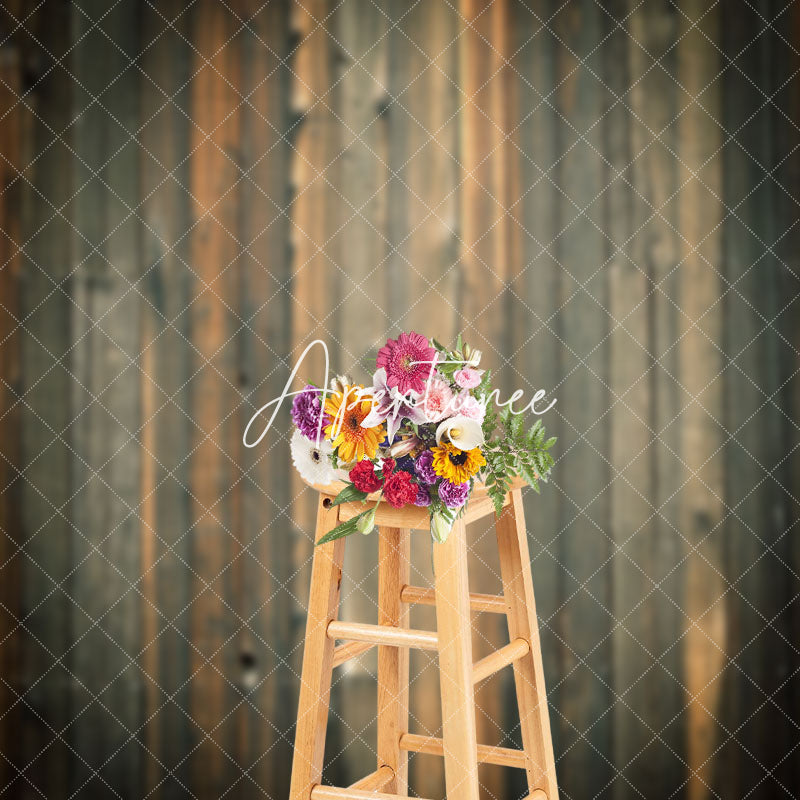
346 411
457 466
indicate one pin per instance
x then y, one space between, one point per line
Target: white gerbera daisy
312 462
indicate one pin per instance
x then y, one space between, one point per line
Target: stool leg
393 573
515 568
315 682
455 666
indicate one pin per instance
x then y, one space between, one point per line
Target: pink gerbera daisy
408 362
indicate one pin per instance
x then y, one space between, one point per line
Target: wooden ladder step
383 634
494 662
375 781
492 603
333 793
487 754
344 652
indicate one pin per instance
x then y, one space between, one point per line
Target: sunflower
457 466
347 410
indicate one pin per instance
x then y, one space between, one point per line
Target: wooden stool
452 641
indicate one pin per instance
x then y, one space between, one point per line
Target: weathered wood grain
107 457
699 215
640 221
267 608
584 546
215 257
46 384
166 364
14 153
388 155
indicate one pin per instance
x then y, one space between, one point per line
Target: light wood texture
493 604
409 517
455 665
378 634
315 681
512 542
413 517
333 793
394 567
375 781
487 754
494 662
452 641
344 652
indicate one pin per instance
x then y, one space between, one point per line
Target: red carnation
364 477
399 490
387 468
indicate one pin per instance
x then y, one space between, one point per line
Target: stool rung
344 652
383 634
333 793
494 604
539 794
487 754
375 781
506 655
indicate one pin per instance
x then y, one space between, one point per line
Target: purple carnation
454 495
423 496
307 410
423 466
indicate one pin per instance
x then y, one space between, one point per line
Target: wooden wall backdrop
601 195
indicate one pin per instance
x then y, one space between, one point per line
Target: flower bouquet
422 434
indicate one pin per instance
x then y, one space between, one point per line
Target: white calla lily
463 432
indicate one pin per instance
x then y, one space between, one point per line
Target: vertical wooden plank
421 273
585 620
655 178
637 131
512 542
47 486
699 212
761 441
166 361
741 324
264 302
455 665
14 154
394 571
215 536
783 60
106 239
315 682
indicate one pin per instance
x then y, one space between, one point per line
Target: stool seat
452 641
413 517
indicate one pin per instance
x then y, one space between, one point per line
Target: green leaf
459 343
343 529
348 494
